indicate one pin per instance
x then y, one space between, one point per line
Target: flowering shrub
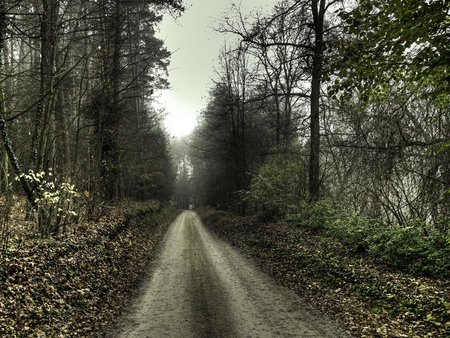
56 201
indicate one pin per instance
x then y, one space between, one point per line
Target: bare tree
310 20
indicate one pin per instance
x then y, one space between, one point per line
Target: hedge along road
202 287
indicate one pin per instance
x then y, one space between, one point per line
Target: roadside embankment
370 299
73 284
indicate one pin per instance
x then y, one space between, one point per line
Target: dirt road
201 287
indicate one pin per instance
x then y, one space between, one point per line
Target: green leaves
396 41
279 186
56 200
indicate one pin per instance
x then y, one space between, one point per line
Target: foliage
77 97
230 140
290 46
397 41
372 155
370 299
279 186
184 194
150 175
413 249
56 201
74 283
354 230
314 215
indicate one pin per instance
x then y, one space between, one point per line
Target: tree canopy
76 86
388 42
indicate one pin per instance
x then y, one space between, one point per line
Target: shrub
415 249
354 230
56 200
278 187
412 249
314 216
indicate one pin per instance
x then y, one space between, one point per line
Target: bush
278 187
412 249
314 216
56 200
355 231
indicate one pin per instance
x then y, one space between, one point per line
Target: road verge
75 283
371 300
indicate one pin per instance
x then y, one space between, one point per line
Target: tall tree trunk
46 90
278 117
318 9
4 176
110 119
3 128
62 146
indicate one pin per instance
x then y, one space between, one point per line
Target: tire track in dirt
202 287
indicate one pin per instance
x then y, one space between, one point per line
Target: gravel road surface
202 287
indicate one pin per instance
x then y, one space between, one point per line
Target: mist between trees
318 101
327 103
76 79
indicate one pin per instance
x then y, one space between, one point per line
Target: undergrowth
416 248
342 267
72 284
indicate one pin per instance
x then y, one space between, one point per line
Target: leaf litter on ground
369 299
74 284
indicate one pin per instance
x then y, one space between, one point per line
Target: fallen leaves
371 300
74 284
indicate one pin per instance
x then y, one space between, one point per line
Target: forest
85 159
326 131
320 102
328 115
77 123
331 110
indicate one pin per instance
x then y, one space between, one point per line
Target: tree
280 185
281 75
311 21
10 154
183 189
127 61
393 85
396 41
231 137
76 85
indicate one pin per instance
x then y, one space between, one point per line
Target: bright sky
195 47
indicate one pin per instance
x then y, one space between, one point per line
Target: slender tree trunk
3 128
46 90
278 117
112 120
318 8
108 119
4 177
62 147
287 118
